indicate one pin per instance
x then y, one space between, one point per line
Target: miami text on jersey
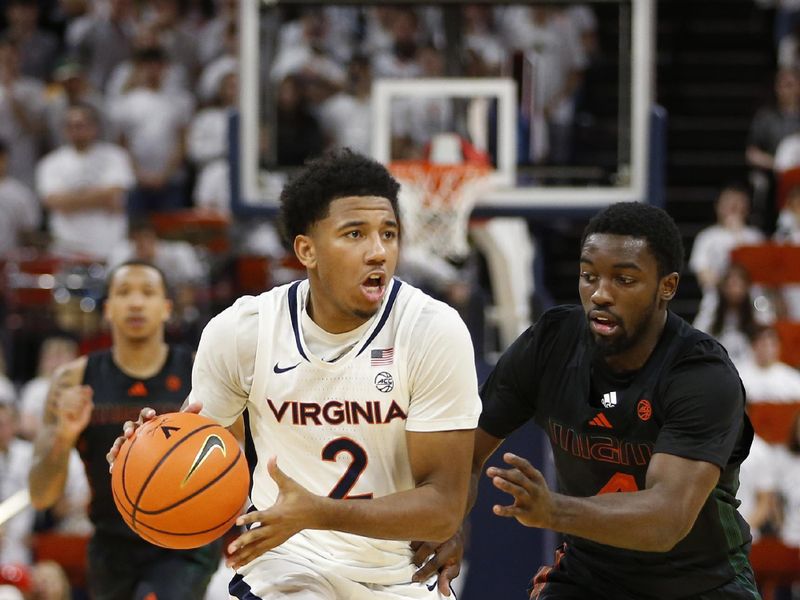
601 447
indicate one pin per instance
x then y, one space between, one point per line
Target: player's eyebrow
619 265
361 223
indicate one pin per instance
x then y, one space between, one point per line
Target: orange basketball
180 481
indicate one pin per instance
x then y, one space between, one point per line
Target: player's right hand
74 408
129 427
444 559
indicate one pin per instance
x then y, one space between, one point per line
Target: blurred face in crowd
137 306
80 128
732 208
144 244
735 286
9 60
766 348
787 87
151 73
229 90
22 15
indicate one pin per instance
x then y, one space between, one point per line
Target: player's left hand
533 502
443 560
278 523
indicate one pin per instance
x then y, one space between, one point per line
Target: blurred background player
89 400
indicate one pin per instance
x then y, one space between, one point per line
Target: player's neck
140 358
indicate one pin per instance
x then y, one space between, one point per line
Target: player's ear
305 251
668 286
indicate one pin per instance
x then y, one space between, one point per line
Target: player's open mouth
603 324
135 321
374 286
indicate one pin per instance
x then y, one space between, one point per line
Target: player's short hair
643 221
135 262
336 174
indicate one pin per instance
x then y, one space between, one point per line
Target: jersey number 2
348 481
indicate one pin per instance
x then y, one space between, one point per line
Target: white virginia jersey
339 428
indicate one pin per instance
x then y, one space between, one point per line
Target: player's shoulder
565 320
434 315
699 355
693 344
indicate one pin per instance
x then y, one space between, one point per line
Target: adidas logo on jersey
609 399
601 421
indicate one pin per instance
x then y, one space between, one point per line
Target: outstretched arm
653 520
68 410
431 510
445 558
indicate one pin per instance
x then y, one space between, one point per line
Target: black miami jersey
118 397
687 400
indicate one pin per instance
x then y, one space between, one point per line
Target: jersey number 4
347 482
619 482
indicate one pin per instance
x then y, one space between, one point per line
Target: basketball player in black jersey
645 417
89 400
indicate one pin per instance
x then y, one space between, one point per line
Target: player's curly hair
646 222
335 174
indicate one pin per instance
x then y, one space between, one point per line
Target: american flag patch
381 357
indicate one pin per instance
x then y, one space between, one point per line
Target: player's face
351 256
623 297
137 306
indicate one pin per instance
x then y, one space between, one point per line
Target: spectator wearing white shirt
788 465
83 184
21 113
712 246
222 65
104 39
128 75
152 126
207 139
346 116
302 51
765 377
185 271
16 456
71 87
19 208
758 486
728 313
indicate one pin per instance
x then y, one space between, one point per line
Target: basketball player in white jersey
359 397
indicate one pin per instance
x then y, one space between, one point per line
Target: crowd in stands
116 111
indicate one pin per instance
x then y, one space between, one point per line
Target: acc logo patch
384 382
644 409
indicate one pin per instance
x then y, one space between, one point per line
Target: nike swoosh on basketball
278 369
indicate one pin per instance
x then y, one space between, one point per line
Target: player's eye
355 234
588 277
390 234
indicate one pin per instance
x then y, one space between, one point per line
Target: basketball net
438 194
